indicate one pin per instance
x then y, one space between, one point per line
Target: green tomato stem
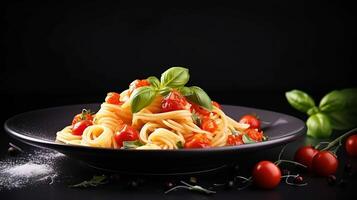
338 140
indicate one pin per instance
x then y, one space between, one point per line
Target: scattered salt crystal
28 169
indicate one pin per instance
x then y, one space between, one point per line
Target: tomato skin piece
214 103
136 84
234 140
266 175
127 133
198 109
351 145
254 134
174 101
304 155
113 98
199 140
78 128
209 125
324 163
252 120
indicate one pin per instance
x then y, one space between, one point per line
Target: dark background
249 54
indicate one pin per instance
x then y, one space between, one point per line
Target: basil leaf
338 100
341 120
318 126
142 97
165 91
175 77
185 91
247 140
132 144
154 82
200 97
300 100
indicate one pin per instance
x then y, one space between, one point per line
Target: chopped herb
132 144
179 145
196 119
247 140
95 181
265 138
192 188
86 112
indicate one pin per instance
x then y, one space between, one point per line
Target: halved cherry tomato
252 120
198 109
85 115
304 155
234 140
266 175
209 125
254 134
351 145
324 163
136 84
127 133
113 98
214 103
199 140
78 128
174 101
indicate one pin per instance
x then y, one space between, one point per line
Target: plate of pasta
171 127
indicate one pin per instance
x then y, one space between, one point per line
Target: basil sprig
336 110
173 78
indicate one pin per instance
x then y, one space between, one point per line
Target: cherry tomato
304 155
174 101
78 128
254 134
85 115
209 125
252 120
113 98
351 145
214 103
266 175
199 140
198 109
234 140
127 133
324 163
136 84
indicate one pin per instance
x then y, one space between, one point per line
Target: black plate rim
53 145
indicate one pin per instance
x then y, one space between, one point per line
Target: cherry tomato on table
127 133
209 125
304 155
78 128
199 140
113 98
266 175
324 163
174 101
351 145
252 120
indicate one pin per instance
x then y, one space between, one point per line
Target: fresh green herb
187 186
185 91
175 77
154 82
142 97
179 145
337 110
196 119
132 144
247 140
94 182
200 97
84 114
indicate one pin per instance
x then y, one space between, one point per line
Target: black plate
39 127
